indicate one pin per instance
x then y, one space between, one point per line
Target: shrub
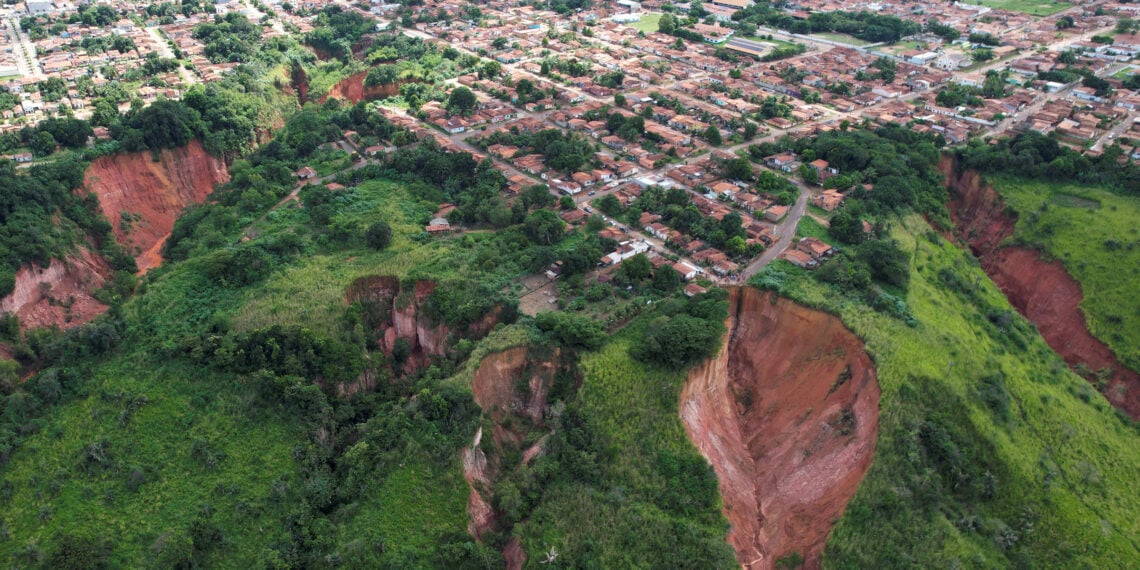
378 235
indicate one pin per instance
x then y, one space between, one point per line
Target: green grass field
1032 7
647 23
1021 484
841 38
1095 234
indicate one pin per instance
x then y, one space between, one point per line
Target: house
783 161
687 270
799 259
692 290
625 250
657 230
953 61
775 213
22 157
567 187
829 200
574 216
305 173
438 226
815 247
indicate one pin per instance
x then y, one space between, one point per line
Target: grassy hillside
1096 235
986 455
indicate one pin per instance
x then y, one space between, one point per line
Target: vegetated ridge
142 197
1040 290
788 415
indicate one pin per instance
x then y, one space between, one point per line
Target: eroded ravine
787 413
515 389
142 197
1042 291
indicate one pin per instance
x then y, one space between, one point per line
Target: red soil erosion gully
141 197
787 413
1040 290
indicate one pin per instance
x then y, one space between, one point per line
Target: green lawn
1124 73
984 457
808 227
842 38
1095 234
1032 7
647 23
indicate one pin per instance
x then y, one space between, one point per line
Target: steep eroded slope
142 197
1042 291
787 414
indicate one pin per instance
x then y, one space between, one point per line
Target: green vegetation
841 38
983 455
648 23
1032 7
636 493
1095 234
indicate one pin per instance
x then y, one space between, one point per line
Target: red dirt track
1040 290
787 413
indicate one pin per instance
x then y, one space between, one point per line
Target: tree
42 144
637 268
680 340
737 169
846 228
1065 22
544 227
667 24
609 204
461 100
490 69
666 279
619 100
378 235
565 202
712 134
499 42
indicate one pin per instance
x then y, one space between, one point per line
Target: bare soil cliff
1040 290
142 197
353 89
59 294
787 413
394 312
513 387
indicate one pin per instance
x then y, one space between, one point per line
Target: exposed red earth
152 193
141 197
59 294
1040 290
787 413
512 387
352 89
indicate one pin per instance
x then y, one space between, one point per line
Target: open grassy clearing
1096 235
1032 7
841 38
1011 411
647 23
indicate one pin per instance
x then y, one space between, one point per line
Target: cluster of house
808 253
61 55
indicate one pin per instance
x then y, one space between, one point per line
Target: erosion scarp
60 294
142 197
353 89
787 413
515 389
1042 291
393 311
